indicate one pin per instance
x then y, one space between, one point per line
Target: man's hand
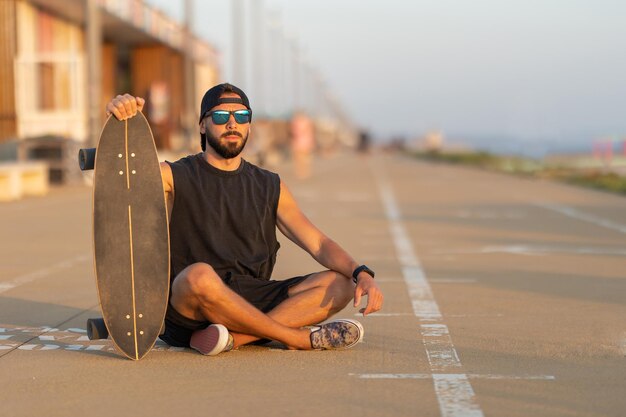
366 285
124 107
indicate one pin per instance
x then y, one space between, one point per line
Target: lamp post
189 116
94 71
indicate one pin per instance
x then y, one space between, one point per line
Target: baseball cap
212 98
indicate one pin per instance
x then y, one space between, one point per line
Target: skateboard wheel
86 158
96 329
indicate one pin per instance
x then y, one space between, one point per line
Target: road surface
504 297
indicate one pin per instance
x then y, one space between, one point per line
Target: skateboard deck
130 234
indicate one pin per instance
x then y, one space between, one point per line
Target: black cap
212 98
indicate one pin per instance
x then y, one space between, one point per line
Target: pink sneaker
213 340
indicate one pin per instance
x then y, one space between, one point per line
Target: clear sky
512 74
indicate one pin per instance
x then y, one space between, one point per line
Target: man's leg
199 293
312 301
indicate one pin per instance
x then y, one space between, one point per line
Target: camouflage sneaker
213 340
337 334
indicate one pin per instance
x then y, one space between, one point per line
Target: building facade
44 73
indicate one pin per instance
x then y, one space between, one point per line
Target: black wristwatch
362 268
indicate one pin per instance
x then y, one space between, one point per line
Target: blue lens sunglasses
221 117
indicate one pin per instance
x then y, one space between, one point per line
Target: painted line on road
32 276
390 279
579 215
490 214
535 250
384 314
452 280
47 338
431 280
43 332
412 314
462 316
454 391
379 258
470 376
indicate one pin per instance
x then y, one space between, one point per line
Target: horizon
534 71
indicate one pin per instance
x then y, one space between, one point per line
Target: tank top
226 219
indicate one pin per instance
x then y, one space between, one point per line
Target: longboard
130 235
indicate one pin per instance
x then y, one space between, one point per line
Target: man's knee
199 279
339 288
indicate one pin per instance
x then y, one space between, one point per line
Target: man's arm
298 228
168 186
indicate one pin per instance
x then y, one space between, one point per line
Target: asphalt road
504 297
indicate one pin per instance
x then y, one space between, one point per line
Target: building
44 75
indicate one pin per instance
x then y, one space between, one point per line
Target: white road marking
389 279
378 258
32 276
469 376
424 305
452 280
456 395
72 339
442 355
454 392
75 330
378 315
537 250
490 214
412 314
579 215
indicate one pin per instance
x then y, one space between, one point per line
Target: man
224 213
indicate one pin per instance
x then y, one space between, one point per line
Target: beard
227 149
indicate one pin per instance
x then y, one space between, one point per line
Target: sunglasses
221 117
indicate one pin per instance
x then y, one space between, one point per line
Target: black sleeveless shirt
226 219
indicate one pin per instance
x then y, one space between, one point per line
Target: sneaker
337 334
213 340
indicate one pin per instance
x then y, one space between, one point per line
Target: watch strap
358 270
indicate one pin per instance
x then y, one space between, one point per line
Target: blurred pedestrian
302 144
158 113
364 142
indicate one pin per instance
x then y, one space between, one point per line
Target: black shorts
263 294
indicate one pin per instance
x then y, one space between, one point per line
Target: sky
525 76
